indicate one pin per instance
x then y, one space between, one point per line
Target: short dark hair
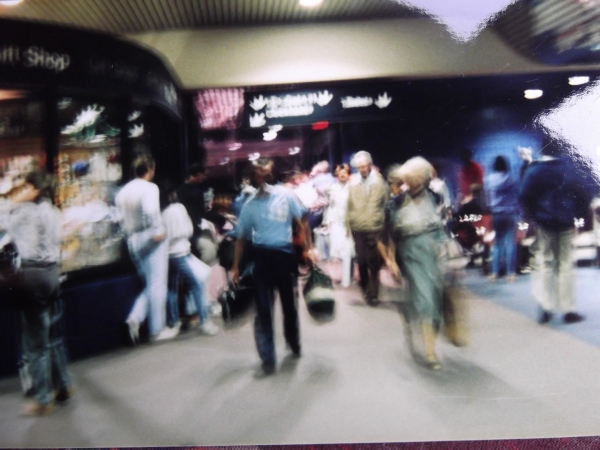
500 164
342 166
196 169
166 189
142 165
42 181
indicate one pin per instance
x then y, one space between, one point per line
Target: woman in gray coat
415 233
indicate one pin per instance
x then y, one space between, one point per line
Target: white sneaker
134 330
208 328
215 309
166 334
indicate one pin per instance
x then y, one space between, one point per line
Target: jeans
369 261
552 280
44 350
152 301
274 269
505 247
183 268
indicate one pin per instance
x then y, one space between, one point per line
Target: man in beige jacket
365 219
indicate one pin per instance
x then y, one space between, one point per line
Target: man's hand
234 275
158 238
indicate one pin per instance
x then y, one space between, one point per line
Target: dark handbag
318 292
10 264
237 298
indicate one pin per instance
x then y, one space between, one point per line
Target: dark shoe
545 317
296 351
573 317
268 367
64 394
372 301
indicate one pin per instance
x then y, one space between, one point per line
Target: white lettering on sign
290 111
40 58
10 55
382 101
291 105
356 102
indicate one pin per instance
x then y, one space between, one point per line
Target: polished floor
356 381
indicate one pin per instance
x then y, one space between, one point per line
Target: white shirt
139 206
179 230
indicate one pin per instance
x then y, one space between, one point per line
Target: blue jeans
44 350
274 269
182 268
505 247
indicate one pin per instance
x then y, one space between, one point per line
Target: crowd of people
406 221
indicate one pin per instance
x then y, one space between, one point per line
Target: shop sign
39 54
309 106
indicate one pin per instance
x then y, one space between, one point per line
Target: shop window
21 144
89 169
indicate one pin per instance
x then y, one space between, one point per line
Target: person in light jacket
365 218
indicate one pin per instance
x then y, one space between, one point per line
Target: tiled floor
356 382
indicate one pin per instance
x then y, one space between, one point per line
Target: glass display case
89 169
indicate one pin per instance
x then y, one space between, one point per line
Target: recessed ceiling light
10 2
576 81
310 3
530 94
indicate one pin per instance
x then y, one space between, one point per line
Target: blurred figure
595 206
192 195
183 265
341 245
320 176
439 186
34 224
553 195
415 230
365 217
138 203
503 202
471 173
246 191
267 218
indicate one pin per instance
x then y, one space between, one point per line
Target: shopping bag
237 298
318 292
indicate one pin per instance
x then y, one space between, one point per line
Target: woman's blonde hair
415 171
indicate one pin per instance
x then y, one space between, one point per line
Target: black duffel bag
237 298
319 294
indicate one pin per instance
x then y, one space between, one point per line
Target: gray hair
361 155
416 169
393 174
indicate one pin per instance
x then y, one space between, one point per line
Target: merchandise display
89 170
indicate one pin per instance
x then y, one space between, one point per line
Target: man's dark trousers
369 262
274 269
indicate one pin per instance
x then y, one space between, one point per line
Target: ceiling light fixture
310 3
576 81
10 2
253 156
531 94
234 146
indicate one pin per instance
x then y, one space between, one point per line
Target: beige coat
367 212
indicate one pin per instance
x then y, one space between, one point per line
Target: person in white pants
138 203
341 244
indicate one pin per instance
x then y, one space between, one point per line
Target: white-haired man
365 219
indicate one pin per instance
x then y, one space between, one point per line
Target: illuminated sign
265 109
